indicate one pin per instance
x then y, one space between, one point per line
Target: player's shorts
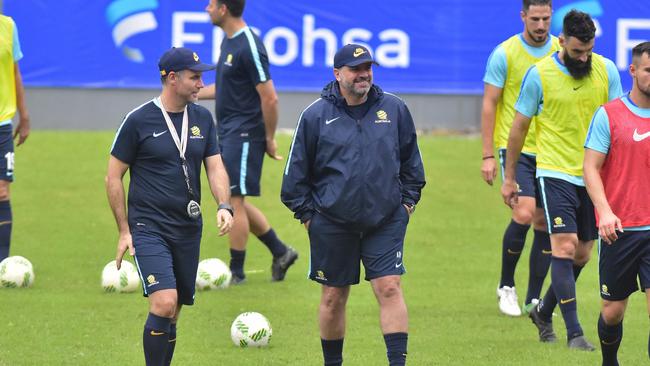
336 250
524 173
622 262
243 161
568 208
167 263
6 153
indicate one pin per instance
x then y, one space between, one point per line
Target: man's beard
538 38
576 68
358 92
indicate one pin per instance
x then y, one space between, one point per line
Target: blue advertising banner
423 46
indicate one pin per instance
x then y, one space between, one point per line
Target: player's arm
269 102
116 199
491 96
527 106
208 92
608 222
220 188
411 169
22 130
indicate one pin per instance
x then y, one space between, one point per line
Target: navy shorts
243 161
6 153
165 263
622 262
524 173
568 208
336 250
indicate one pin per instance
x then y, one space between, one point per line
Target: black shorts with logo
568 208
621 263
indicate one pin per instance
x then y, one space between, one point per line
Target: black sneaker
237 280
544 328
281 264
580 343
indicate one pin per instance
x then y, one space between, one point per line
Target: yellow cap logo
151 279
195 131
557 221
382 114
163 72
196 57
358 52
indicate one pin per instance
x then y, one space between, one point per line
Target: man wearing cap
246 107
163 143
353 177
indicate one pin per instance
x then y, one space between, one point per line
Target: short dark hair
579 25
640 49
528 3
235 7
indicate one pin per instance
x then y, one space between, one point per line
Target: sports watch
227 207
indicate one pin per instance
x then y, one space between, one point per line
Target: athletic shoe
544 328
580 343
508 303
281 264
236 280
527 308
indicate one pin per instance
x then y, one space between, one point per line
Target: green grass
63 224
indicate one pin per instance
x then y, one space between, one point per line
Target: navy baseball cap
181 58
352 55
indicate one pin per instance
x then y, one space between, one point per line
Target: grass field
63 224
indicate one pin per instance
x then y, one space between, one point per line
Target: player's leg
283 255
155 265
540 257
383 259
6 177
238 237
514 238
335 253
185 254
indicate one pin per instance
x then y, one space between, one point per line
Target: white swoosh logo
158 134
397 265
331 120
641 137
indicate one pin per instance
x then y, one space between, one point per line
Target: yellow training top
7 77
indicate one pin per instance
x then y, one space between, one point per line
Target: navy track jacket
354 172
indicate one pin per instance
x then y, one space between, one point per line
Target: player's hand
271 149
510 192
22 130
125 242
608 223
307 224
489 170
224 221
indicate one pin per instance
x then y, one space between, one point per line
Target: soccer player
617 175
247 117
563 91
353 177
504 72
12 96
163 143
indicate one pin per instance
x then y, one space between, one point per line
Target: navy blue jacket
354 172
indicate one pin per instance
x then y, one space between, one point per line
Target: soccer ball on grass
16 271
251 330
126 279
212 274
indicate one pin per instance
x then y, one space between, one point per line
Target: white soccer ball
212 274
251 330
126 279
16 271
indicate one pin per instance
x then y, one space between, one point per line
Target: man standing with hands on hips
353 177
163 143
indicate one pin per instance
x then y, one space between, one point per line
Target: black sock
610 339
155 339
539 263
513 243
332 352
5 229
171 344
564 286
396 348
237 262
275 245
547 305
